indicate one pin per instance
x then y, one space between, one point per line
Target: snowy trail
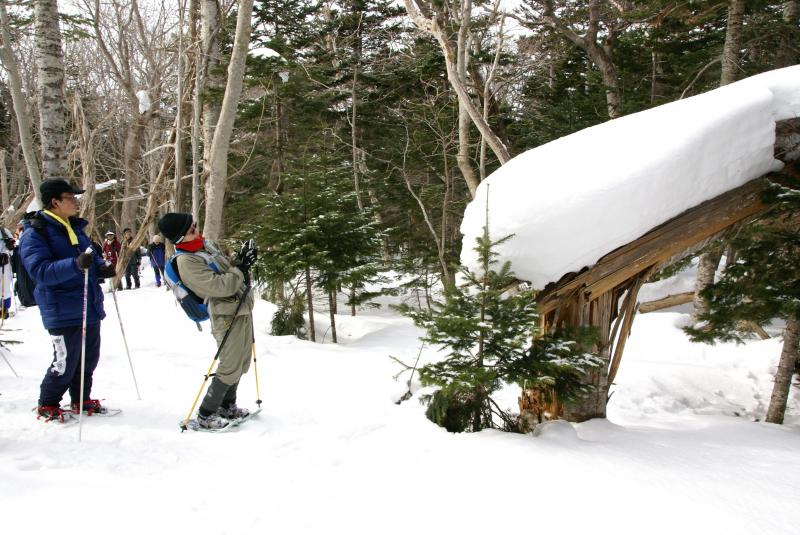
332 453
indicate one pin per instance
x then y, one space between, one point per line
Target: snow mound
573 200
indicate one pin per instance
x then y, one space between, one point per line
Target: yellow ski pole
255 369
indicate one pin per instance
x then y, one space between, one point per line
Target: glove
247 256
107 271
3 259
84 260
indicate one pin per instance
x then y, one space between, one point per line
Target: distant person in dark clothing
132 269
156 252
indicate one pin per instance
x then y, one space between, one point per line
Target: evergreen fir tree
490 338
762 284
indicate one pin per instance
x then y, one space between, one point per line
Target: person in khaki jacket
222 289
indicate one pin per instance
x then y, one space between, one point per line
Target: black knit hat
174 225
54 187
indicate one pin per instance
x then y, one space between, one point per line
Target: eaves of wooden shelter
605 295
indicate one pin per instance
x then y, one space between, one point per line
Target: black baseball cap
55 187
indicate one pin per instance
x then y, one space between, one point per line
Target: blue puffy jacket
49 258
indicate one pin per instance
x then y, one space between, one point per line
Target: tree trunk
131 170
783 376
787 55
88 169
24 122
310 300
332 313
3 181
432 26
733 42
215 188
706 269
210 80
180 163
50 89
197 108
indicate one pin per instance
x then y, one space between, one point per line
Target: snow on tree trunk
50 89
733 38
18 100
215 188
783 376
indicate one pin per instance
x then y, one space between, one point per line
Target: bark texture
50 89
217 180
783 376
24 122
733 42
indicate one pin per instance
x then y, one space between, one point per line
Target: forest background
344 136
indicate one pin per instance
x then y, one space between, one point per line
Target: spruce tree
490 338
762 284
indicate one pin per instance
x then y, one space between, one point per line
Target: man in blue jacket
53 252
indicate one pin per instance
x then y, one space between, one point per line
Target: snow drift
573 200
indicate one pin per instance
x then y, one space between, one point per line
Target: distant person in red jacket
111 250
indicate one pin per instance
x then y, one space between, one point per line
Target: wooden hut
605 295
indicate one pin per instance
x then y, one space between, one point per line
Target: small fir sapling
490 338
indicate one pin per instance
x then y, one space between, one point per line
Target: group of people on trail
112 249
58 255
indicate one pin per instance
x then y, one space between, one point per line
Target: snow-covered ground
332 452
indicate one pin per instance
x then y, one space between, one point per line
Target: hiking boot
90 406
233 412
50 413
212 421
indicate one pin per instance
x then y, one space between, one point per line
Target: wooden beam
667 240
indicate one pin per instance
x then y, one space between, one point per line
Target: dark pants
131 271
65 371
159 271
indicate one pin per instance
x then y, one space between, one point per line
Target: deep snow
571 201
333 453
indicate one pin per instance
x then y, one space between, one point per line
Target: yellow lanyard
73 239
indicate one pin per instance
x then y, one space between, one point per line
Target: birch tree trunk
197 107
209 32
463 157
706 269
426 18
3 181
88 170
24 122
733 42
783 376
217 180
50 89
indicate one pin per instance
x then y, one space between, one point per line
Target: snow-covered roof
575 199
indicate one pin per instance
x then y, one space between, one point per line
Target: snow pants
64 372
234 360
